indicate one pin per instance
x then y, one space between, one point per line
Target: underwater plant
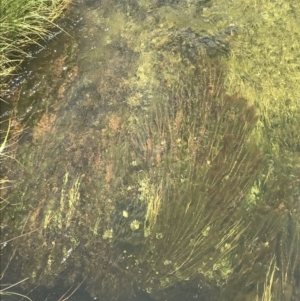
155 192
161 205
272 209
196 164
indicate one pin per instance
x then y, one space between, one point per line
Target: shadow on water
136 176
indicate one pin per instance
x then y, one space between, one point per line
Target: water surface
139 173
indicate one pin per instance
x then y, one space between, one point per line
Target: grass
269 281
2 153
3 144
23 23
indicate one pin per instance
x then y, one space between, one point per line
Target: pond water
155 156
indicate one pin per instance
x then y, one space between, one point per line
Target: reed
23 23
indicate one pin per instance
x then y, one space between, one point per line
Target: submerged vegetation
193 147
168 169
6 292
3 147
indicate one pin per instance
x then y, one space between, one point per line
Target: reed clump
23 23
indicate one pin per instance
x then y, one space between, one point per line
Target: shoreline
23 25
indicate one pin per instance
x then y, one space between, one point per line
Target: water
135 177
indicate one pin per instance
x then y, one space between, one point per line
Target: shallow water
108 124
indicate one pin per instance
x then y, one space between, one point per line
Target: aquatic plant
6 292
274 232
165 190
162 208
2 152
192 149
269 281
